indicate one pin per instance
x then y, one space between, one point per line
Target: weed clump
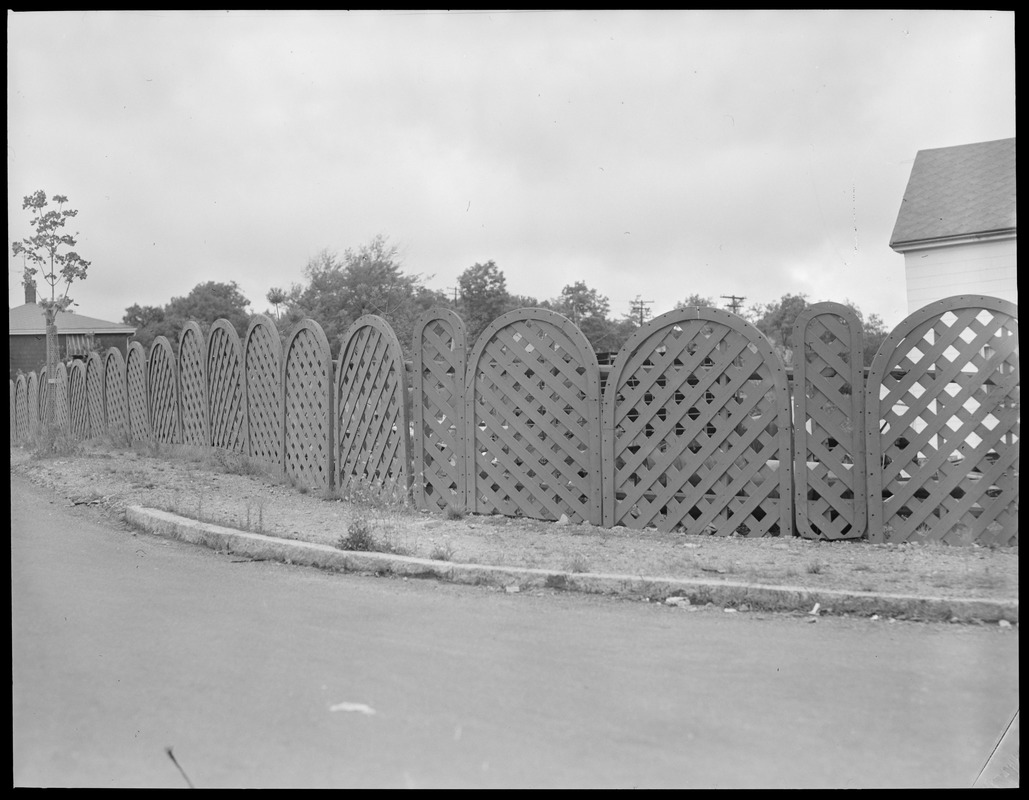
358 537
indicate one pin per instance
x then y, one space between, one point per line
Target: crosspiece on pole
639 307
734 302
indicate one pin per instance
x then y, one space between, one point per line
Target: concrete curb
727 594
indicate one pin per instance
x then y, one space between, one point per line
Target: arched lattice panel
226 390
307 391
95 395
136 385
439 468
193 385
61 406
532 419
14 413
829 423
262 371
78 407
21 399
372 429
164 393
33 403
59 388
942 425
697 429
116 397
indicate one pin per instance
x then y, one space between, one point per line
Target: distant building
77 335
957 223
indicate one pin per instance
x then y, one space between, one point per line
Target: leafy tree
775 320
696 301
484 297
368 280
208 302
48 250
205 304
874 332
589 309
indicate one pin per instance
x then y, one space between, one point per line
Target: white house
957 223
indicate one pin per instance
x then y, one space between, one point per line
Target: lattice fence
95 395
78 407
138 396
164 392
262 369
21 402
697 429
372 429
14 413
439 465
942 422
226 390
116 398
532 420
33 403
829 423
307 407
193 385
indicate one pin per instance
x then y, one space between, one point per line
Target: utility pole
639 306
734 302
454 290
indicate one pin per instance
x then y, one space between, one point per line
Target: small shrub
454 512
816 568
359 537
442 551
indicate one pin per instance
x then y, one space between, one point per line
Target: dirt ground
215 486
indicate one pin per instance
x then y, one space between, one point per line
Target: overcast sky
652 154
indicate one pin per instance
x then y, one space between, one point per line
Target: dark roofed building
77 335
957 226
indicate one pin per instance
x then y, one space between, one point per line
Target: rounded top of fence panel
671 319
559 321
135 348
113 354
932 311
844 312
261 321
446 315
190 328
308 325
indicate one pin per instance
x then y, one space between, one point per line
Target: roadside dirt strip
738 596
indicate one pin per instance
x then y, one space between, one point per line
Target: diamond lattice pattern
696 439
533 417
949 422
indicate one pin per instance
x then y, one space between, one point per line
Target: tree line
338 289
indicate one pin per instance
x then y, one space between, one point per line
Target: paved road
265 675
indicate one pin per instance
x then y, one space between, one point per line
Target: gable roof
27 320
956 192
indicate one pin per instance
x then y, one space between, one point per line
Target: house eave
947 241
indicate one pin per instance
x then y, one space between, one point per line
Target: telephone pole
639 306
454 289
734 302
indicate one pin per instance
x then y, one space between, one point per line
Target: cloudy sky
650 154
